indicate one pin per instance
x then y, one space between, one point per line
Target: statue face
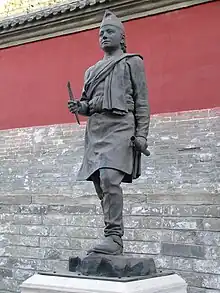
110 38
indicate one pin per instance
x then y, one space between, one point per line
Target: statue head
112 33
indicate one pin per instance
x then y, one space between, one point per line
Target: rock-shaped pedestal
112 266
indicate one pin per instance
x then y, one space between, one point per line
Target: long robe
107 136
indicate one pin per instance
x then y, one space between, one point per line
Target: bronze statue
115 99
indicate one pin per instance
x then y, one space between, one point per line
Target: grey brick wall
171 213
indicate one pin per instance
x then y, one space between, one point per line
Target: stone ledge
50 283
87 18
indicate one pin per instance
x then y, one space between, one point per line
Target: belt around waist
130 109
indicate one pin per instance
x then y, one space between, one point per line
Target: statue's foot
112 245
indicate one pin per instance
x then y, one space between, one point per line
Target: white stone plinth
49 284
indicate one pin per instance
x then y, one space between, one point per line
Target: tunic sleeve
140 96
84 106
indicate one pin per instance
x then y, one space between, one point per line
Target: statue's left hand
73 106
142 142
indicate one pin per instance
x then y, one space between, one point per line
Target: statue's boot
112 206
112 245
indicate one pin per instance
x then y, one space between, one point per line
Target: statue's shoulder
88 72
135 60
91 69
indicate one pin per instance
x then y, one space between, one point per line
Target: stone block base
77 284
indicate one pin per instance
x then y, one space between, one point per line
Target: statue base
112 266
75 283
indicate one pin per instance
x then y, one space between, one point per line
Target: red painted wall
182 56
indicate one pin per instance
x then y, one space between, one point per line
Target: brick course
171 213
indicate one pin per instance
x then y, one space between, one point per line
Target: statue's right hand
73 106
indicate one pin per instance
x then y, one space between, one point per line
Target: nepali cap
111 19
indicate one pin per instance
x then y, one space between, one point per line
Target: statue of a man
115 99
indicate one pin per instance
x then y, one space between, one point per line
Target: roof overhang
70 18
